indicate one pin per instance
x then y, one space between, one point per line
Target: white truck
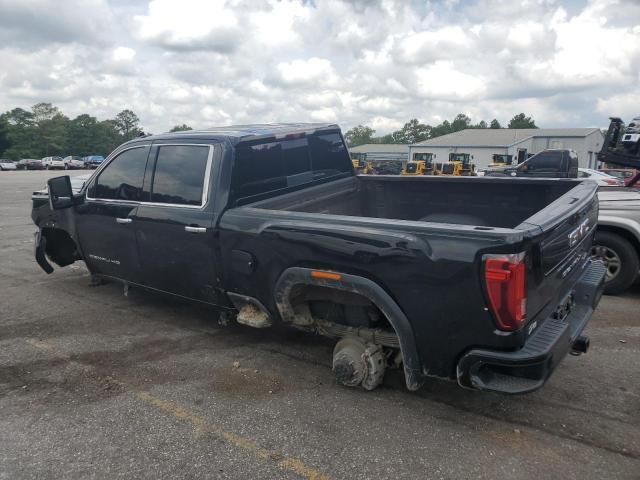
51 163
617 240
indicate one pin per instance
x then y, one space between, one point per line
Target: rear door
174 229
105 220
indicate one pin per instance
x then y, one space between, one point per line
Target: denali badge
576 235
102 259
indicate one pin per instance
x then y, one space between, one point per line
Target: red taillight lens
504 277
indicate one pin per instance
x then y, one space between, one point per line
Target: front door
105 220
174 230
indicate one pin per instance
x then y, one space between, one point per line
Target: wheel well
627 235
339 306
60 247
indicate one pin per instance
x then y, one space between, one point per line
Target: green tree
82 135
359 135
21 134
127 124
522 121
495 124
412 132
181 128
53 135
461 122
107 137
388 138
5 143
44 111
482 124
442 129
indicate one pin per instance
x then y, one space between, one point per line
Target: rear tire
621 259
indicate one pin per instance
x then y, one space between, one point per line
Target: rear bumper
528 368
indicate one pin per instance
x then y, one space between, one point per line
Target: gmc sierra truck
485 281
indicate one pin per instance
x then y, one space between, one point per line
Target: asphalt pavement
94 384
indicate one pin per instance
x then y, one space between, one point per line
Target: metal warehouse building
383 151
484 143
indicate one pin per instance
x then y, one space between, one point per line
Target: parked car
30 164
93 161
7 165
626 174
603 179
274 226
73 162
51 163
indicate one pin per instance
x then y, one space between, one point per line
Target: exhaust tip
580 345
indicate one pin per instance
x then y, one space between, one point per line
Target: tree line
45 131
413 131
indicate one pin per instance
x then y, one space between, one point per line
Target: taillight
504 277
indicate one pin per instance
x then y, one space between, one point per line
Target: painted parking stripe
198 423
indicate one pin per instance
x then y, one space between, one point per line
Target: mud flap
39 247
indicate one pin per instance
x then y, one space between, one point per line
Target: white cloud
314 70
123 54
189 24
443 80
207 62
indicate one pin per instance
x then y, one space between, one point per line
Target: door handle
195 229
123 220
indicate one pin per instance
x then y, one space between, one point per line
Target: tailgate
561 248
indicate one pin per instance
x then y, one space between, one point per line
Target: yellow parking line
200 424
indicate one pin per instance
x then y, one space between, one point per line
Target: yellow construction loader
501 160
360 164
421 164
459 165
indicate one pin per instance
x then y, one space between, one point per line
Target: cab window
262 167
546 161
123 178
179 174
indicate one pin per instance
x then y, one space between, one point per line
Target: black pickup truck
551 163
485 281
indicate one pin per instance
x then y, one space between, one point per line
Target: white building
521 143
383 151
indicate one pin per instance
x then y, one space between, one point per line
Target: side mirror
60 192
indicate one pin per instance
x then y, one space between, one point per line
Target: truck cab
551 163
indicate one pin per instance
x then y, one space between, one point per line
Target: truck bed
484 202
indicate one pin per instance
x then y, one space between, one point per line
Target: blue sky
380 63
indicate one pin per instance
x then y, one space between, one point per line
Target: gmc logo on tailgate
578 234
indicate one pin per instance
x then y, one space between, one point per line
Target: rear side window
547 161
179 174
276 165
122 178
